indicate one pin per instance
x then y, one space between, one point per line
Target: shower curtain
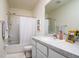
27 30
21 29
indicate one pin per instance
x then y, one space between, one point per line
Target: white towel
5 29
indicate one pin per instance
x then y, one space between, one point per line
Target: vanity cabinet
40 50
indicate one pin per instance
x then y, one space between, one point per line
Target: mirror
62 15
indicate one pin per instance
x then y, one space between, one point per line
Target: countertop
61 46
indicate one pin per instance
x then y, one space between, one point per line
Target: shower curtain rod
22 15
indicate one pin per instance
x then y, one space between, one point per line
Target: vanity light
58 2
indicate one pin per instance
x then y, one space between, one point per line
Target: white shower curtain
27 30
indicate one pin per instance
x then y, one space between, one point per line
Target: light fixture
58 2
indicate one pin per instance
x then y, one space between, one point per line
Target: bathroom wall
22 12
39 12
3 9
67 14
3 16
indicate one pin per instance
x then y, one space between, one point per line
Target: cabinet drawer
42 48
33 42
53 54
33 52
40 55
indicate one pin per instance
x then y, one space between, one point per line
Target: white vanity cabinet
38 50
48 47
42 51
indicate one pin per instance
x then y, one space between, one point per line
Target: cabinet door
42 48
40 55
33 52
53 54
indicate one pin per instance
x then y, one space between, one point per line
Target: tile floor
16 55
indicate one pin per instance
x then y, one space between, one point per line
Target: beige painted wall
3 9
67 14
22 12
3 16
39 12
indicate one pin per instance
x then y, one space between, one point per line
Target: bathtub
16 48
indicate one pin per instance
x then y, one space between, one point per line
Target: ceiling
55 4
22 4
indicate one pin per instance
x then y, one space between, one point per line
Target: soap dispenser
61 35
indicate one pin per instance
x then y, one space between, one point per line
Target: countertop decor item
61 35
71 36
77 35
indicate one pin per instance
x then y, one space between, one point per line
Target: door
27 29
2 50
53 54
13 30
40 54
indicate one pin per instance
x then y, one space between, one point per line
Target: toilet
28 51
